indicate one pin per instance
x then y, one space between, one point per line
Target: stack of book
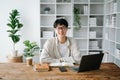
113 21
48 34
107 21
41 67
106 36
93 22
86 9
92 34
94 52
69 33
113 7
117 53
93 45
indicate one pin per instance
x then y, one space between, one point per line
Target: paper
61 64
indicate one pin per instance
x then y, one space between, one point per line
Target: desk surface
19 71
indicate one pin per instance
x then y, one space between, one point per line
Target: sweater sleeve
45 56
75 52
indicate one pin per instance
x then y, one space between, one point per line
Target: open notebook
61 64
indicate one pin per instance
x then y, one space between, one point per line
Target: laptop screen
90 62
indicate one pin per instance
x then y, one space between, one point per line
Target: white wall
29 16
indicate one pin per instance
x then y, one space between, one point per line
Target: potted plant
15 26
31 49
77 22
46 10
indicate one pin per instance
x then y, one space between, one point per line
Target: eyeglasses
61 28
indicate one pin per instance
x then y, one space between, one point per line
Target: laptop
90 62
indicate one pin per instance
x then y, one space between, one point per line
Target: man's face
61 30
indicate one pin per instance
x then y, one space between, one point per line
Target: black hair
60 22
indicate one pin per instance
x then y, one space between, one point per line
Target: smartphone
62 69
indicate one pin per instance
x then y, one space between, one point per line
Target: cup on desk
29 61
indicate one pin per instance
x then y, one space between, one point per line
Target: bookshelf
100 25
57 10
112 30
89 37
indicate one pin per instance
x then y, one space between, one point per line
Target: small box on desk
41 67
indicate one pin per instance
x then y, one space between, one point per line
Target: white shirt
63 48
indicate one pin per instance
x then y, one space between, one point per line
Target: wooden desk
19 71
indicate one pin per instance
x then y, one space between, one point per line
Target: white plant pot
46 12
14 53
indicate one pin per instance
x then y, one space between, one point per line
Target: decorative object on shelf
31 50
15 26
77 22
47 10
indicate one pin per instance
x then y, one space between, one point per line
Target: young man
60 48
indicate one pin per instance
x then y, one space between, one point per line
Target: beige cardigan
51 54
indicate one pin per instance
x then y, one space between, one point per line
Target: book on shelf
94 52
113 21
93 22
69 33
106 36
117 52
48 34
61 17
94 47
41 67
85 9
93 43
92 34
115 7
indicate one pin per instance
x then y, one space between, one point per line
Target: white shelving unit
90 36
100 25
57 10
96 24
82 35
112 30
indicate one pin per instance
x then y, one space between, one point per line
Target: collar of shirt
67 42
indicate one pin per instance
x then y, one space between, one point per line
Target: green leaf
27 43
77 22
15 38
14 25
20 25
30 48
12 31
